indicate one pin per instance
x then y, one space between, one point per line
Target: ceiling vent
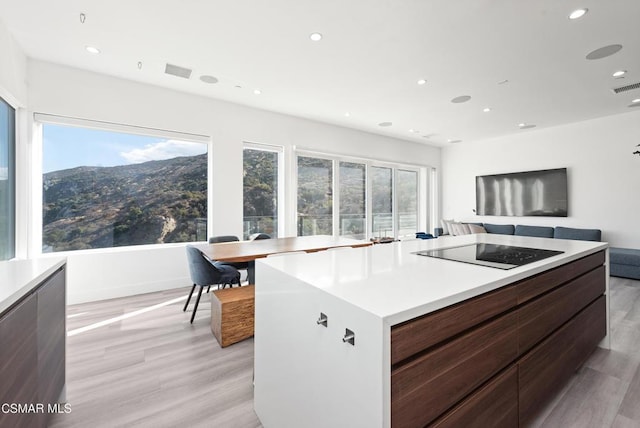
178 71
626 88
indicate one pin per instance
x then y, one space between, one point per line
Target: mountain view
145 203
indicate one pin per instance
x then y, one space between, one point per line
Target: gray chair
229 238
257 236
205 273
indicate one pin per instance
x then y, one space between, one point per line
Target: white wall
603 174
60 90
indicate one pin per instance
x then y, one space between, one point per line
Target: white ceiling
369 61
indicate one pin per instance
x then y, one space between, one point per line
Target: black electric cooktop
491 255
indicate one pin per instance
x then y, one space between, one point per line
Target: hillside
147 203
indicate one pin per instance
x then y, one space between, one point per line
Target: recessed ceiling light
604 52
347 114
238 87
461 99
637 100
315 37
486 109
619 73
422 81
503 82
454 141
578 13
385 124
522 125
139 65
92 50
208 79
257 91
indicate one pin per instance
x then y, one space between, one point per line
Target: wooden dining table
249 251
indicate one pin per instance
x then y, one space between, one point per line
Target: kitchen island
381 336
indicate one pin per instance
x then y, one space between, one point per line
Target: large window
103 188
260 196
407 195
358 198
353 190
7 181
382 201
315 200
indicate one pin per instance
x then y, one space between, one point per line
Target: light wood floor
157 370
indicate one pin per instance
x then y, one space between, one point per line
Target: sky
69 147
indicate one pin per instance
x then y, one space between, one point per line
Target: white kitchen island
422 329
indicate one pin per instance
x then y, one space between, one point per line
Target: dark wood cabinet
493 360
18 363
51 338
32 354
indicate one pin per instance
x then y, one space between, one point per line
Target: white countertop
390 282
19 277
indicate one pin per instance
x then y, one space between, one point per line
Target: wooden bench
232 314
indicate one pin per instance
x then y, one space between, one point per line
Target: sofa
624 262
557 232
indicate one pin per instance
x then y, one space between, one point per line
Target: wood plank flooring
157 370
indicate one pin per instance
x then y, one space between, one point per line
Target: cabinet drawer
424 388
549 365
540 284
540 317
495 404
421 333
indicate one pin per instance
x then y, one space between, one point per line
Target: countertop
19 277
390 282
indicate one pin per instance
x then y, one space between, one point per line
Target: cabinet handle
349 337
323 320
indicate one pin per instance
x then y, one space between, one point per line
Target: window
104 188
7 181
371 198
353 190
407 195
260 195
382 201
315 199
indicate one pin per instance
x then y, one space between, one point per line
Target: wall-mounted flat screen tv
529 193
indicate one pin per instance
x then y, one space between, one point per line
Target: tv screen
530 193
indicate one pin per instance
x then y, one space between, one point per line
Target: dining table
249 251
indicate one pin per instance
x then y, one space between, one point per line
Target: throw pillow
446 226
474 228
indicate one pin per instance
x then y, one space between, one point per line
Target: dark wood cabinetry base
493 360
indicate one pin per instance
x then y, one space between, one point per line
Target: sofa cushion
446 226
475 228
457 229
577 234
624 256
502 229
538 231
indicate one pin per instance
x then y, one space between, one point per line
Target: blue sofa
557 232
624 262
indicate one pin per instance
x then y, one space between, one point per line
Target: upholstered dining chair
229 238
205 273
260 235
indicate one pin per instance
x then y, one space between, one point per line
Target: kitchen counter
19 277
336 331
392 283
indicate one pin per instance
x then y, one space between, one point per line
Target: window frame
41 119
12 177
424 198
280 206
